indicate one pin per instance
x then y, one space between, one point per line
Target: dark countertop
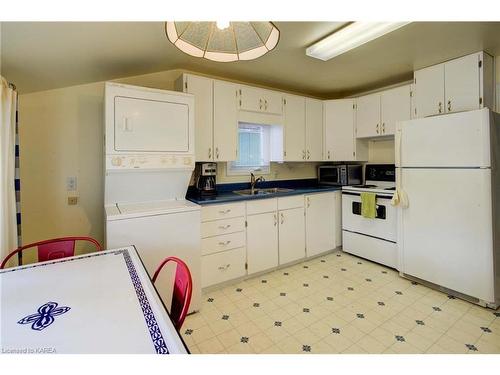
225 191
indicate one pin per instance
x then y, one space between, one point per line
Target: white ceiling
45 55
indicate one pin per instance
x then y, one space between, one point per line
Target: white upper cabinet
314 130
339 132
368 116
461 84
294 121
225 121
429 91
202 89
377 114
260 100
395 106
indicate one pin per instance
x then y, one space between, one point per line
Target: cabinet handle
275 220
224 267
328 154
225 226
440 107
210 152
308 154
282 218
265 101
449 105
217 152
225 211
304 154
308 202
383 127
377 129
225 243
260 104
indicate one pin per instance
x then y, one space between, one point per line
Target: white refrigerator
449 226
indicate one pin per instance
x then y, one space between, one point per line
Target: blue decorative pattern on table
45 316
154 329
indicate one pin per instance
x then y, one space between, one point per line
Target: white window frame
233 170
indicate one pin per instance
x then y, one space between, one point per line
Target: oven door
329 175
384 224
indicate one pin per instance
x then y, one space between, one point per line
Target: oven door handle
378 196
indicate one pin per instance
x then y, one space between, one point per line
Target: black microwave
340 175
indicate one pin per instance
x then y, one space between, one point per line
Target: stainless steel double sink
262 191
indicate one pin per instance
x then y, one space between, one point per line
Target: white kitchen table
102 302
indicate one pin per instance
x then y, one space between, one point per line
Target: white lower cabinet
322 222
222 243
262 242
278 231
220 267
292 236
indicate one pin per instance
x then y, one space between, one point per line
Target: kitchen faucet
253 181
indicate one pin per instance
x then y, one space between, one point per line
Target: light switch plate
72 200
71 183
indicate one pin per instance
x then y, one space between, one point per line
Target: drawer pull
225 211
224 267
225 243
225 226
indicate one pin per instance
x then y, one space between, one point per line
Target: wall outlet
72 200
71 183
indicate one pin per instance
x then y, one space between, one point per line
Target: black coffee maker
205 184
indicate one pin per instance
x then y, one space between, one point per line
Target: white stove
373 239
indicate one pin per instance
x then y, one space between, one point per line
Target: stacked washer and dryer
149 159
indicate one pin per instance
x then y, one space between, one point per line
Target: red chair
51 249
183 288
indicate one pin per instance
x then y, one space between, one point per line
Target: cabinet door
395 106
314 130
262 242
429 91
273 102
252 99
225 121
320 223
292 241
462 88
202 89
368 116
339 130
294 120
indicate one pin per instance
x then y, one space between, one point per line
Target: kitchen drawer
216 244
261 206
224 226
295 201
220 267
222 211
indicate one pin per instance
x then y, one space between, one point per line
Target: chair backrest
183 288
52 249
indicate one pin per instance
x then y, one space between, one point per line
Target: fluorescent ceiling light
350 37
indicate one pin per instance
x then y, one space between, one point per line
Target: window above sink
254 148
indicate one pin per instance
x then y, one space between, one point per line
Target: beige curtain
8 226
